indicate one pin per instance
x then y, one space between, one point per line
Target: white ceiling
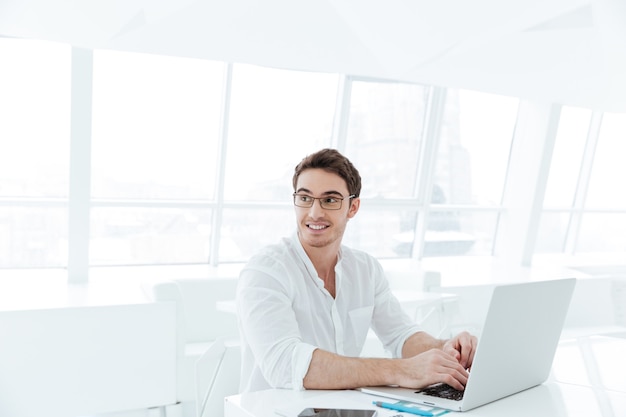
563 51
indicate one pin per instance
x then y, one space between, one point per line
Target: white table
78 350
588 379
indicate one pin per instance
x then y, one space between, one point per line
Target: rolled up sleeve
301 359
390 322
270 331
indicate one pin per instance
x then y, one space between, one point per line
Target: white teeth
317 227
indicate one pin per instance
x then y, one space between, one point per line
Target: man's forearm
419 343
331 371
426 360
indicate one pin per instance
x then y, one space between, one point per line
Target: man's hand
434 360
463 348
425 361
431 367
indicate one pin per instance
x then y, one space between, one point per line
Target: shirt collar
309 265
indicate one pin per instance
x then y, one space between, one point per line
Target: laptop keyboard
443 391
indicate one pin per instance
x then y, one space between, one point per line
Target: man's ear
355 203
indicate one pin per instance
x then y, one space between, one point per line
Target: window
602 232
474 148
34 152
567 157
609 167
603 227
156 124
471 168
276 118
584 212
35 128
434 162
33 236
384 136
247 229
564 180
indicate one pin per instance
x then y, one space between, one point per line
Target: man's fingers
462 347
457 372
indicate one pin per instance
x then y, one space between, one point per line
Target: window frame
518 216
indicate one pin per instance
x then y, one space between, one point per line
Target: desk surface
55 292
588 379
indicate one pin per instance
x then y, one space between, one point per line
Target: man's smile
317 226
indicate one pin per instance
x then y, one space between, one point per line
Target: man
306 304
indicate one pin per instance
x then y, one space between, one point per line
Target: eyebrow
325 193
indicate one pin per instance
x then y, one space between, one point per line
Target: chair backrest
203 321
199 319
593 303
217 376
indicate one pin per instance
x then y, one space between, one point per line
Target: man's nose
316 209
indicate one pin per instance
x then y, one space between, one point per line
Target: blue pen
403 408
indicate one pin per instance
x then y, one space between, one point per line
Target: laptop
515 349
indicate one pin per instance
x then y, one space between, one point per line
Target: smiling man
305 305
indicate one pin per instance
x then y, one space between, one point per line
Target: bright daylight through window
191 161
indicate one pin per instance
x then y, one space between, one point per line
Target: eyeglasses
328 203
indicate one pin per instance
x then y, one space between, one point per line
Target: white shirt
285 313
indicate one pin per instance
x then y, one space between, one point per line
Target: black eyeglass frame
321 199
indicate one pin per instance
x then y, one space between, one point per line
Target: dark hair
331 160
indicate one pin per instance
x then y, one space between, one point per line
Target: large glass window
382 231
34 152
474 147
564 180
567 157
471 167
384 136
383 140
246 230
553 229
460 232
603 227
160 126
602 232
596 223
35 110
149 235
277 117
33 236
156 122
609 169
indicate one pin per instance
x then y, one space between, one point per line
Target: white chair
596 308
199 323
217 376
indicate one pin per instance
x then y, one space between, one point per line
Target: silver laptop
515 350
